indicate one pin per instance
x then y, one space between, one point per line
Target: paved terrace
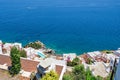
4 75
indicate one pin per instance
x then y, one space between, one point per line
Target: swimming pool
41 54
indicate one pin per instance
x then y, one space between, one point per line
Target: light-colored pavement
4 75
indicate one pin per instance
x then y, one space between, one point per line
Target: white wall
0 47
117 75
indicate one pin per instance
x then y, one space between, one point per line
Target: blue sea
64 25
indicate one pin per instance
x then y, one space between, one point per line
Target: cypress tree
15 58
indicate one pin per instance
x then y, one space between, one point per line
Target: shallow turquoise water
65 25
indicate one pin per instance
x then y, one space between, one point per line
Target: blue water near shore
64 25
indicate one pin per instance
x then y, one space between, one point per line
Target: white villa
33 53
69 56
8 46
59 66
0 47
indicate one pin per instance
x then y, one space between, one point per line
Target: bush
100 78
51 76
23 53
107 51
80 73
69 63
32 76
79 69
89 61
67 77
76 61
89 75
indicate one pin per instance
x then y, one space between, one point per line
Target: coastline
58 51
37 51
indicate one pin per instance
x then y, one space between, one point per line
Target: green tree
79 69
89 61
67 77
23 53
15 58
51 76
79 72
69 63
89 75
76 61
100 78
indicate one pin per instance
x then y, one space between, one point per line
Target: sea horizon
66 26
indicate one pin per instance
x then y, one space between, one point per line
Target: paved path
4 75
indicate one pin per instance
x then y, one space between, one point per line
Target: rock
49 51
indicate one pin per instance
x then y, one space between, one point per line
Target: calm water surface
64 25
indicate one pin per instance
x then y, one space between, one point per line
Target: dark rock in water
49 51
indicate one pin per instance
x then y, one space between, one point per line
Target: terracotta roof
5 60
27 65
101 58
59 69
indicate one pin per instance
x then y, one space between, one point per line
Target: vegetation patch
80 73
74 62
51 76
23 53
15 58
35 45
107 51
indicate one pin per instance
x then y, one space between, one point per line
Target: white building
1 47
45 66
95 53
117 54
69 56
32 53
117 74
8 46
18 45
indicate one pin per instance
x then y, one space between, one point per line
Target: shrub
74 62
67 77
89 61
107 51
51 76
23 53
32 76
69 63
